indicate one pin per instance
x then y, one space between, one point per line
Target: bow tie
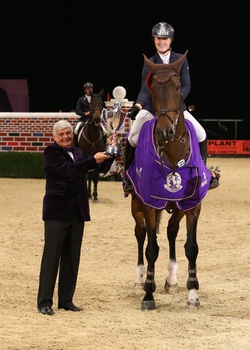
69 149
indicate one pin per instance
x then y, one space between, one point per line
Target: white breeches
76 129
144 116
200 131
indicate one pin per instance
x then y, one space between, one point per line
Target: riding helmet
88 85
163 30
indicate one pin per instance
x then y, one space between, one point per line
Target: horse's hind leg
191 251
89 179
171 283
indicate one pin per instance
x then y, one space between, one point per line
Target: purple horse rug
156 184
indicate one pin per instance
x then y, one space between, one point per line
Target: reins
180 162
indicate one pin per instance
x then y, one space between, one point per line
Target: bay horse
168 174
93 138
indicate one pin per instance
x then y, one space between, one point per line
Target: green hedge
30 166
21 165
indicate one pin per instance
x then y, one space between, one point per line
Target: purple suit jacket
66 188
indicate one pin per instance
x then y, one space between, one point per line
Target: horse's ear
178 64
101 93
148 63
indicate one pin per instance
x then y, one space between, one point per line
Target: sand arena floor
112 318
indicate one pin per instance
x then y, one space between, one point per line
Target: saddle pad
154 181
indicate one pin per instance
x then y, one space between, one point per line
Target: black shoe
127 187
214 183
46 310
71 308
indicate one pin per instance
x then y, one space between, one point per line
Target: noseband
166 111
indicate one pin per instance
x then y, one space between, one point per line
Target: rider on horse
142 111
83 109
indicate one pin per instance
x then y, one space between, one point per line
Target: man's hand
133 112
101 156
112 139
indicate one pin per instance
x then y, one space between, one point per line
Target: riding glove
133 112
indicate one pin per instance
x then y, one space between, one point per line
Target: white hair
61 124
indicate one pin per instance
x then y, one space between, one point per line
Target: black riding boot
203 149
129 156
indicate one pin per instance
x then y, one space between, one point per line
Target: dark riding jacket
83 106
144 96
66 195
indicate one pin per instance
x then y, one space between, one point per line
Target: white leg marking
193 299
140 272
172 272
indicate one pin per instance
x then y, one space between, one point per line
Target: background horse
93 138
169 175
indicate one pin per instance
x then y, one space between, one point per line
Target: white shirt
165 59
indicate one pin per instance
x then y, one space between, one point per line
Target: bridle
174 123
85 137
160 78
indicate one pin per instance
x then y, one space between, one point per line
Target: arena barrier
32 132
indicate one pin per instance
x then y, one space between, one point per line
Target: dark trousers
62 250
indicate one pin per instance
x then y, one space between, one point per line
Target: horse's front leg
140 235
152 252
95 179
191 251
171 283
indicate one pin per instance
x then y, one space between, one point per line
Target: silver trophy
114 119
113 123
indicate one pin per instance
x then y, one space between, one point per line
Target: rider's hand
133 112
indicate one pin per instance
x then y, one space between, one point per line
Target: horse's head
165 87
96 107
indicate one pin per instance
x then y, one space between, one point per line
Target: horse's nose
97 120
168 134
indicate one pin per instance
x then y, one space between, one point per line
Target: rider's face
88 91
162 45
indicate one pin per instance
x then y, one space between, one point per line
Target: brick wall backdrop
32 132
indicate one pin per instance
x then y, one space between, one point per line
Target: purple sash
153 180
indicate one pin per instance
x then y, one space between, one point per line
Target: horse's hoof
194 304
148 305
171 288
